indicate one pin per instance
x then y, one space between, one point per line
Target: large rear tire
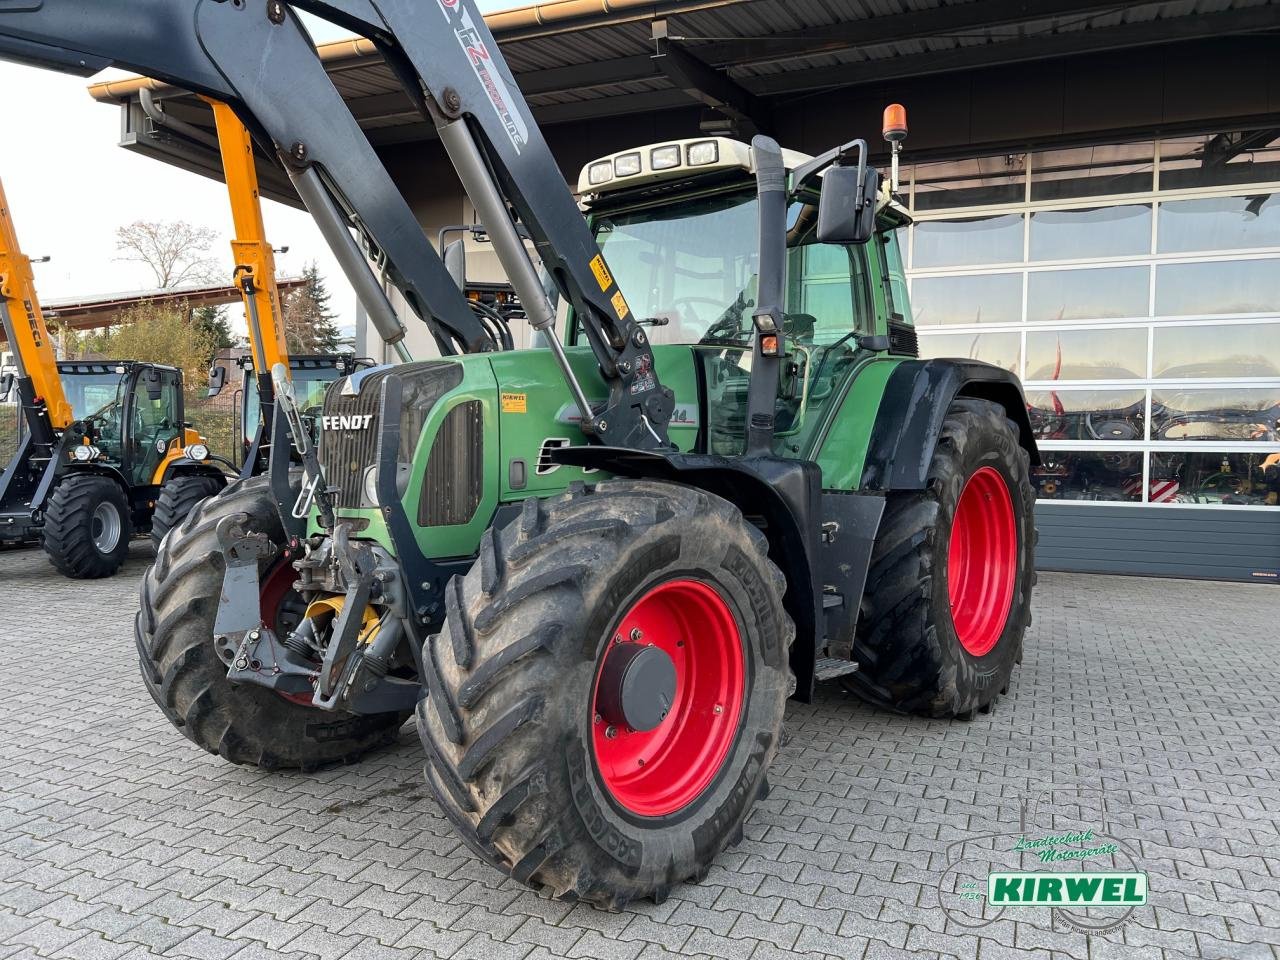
243 723
87 527
178 496
639 623
948 597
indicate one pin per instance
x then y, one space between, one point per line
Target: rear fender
782 496
913 408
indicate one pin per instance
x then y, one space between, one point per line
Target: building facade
1135 289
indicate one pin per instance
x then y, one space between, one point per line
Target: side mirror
217 380
455 261
847 208
6 386
155 390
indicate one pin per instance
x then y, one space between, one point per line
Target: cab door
154 417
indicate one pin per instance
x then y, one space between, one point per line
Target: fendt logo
359 421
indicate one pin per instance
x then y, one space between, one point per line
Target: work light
664 158
627 165
601 172
197 451
704 154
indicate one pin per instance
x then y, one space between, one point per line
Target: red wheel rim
659 772
982 561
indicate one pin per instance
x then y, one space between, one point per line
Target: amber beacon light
895 131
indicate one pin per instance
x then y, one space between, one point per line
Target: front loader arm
256 56
448 61
28 337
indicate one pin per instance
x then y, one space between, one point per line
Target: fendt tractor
594 570
255 276
100 441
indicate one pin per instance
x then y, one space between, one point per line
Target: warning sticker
601 270
515 403
620 305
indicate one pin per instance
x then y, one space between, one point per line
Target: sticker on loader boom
601 270
482 63
620 305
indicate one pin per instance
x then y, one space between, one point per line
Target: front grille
903 340
455 471
345 454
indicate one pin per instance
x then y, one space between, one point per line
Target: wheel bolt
636 635
718 710
598 718
611 731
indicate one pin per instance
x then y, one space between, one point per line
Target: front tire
87 527
243 723
636 623
178 497
948 597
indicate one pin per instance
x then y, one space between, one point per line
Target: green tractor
613 634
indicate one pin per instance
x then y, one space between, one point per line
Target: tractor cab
678 224
132 414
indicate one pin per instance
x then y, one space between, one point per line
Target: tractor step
827 668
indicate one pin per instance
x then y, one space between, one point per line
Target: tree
213 321
175 251
157 334
310 325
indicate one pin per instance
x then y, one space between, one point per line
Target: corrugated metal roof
775 47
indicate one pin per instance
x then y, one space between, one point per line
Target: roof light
895 123
704 154
665 158
599 173
627 165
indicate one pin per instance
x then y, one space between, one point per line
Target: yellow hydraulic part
30 337
330 607
255 271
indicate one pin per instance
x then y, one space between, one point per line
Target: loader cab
678 225
133 413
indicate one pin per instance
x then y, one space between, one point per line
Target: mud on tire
910 655
178 496
507 717
243 723
69 526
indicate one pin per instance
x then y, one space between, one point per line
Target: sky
70 187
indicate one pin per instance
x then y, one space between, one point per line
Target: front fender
913 407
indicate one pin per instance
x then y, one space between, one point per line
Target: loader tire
87 527
542 706
177 498
243 723
948 597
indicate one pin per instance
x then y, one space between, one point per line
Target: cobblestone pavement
118 838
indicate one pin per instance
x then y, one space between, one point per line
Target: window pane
1231 479
1093 171
1246 350
891 264
1215 415
1086 354
1231 286
1217 160
1106 293
955 243
996 298
1220 223
1001 349
1069 475
970 183
1094 232
1111 415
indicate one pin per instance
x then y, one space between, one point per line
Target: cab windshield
309 385
91 393
689 270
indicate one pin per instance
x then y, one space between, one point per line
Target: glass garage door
1136 290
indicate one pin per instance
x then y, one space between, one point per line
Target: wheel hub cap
668 698
637 686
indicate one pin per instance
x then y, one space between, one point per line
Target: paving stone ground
120 839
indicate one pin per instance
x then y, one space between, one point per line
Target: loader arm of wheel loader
25 329
256 56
